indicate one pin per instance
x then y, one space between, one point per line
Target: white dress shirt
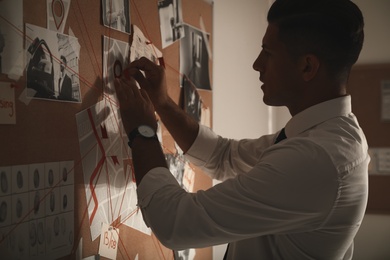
303 198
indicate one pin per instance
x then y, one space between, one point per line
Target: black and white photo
52 65
194 57
11 37
171 21
192 101
116 15
116 55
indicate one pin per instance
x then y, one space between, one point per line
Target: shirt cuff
203 146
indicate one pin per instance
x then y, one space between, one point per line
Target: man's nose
256 64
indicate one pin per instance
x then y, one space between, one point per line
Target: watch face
146 131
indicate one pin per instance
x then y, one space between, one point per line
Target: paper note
109 239
37 210
7 104
57 14
104 149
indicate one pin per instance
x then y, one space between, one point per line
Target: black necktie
281 136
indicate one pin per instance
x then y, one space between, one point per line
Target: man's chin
267 101
270 102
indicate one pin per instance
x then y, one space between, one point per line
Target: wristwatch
143 131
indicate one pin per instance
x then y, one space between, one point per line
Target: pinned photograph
176 163
194 58
116 55
11 38
103 149
52 65
192 101
57 14
186 254
171 21
116 15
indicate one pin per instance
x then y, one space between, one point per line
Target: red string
93 57
86 208
88 36
124 247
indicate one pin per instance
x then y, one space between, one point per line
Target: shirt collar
317 114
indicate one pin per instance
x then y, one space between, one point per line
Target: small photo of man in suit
64 82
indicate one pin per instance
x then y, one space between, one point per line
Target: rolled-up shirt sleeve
223 158
203 146
239 208
304 196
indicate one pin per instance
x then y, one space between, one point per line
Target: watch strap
135 133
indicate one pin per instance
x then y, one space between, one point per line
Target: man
298 194
64 82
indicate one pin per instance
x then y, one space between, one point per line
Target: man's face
278 71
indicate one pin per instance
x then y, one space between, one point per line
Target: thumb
145 95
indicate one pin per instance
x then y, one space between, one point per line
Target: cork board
365 87
46 132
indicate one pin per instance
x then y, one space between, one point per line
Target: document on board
11 38
109 185
57 14
7 104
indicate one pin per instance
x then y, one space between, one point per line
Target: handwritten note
109 239
7 104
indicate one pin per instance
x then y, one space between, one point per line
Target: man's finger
120 91
138 76
134 73
145 95
143 64
131 87
129 72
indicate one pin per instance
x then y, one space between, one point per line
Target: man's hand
154 81
137 109
135 105
180 125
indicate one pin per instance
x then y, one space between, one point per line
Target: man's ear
310 65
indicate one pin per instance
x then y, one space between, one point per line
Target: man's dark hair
330 29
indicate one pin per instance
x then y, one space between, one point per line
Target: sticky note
109 239
7 104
